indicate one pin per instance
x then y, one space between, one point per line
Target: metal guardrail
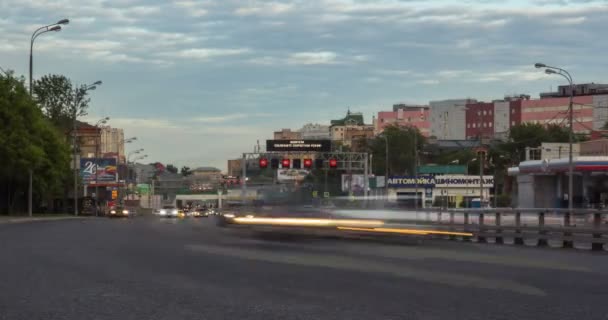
541 224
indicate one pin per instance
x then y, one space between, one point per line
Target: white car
168 211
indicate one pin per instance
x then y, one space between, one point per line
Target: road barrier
537 226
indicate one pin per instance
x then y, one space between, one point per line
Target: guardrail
540 224
521 225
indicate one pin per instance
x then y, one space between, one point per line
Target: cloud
311 58
207 53
264 8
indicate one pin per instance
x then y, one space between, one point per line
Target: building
555 111
210 174
404 115
87 139
168 185
350 128
584 89
314 131
448 119
544 183
113 141
287 134
479 117
142 173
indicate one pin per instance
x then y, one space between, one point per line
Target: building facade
287 134
350 128
448 119
479 117
113 141
314 131
404 115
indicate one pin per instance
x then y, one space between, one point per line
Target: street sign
315 194
114 194
298 145
326 194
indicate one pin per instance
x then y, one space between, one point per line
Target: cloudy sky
199 82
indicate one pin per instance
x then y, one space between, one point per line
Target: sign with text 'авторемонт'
298 145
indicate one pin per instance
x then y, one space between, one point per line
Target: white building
112 141
315 131
501 119
448 119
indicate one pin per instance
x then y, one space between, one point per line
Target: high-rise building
448 119
404 115
112 142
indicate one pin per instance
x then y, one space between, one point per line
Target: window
484 112
468 125
478 113
490 112
484 124
409 119
382 120
473 125
490 124
512 123
513 111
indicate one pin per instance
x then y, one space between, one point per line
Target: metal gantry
346 161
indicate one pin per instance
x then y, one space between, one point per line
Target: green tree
171 168
28 141
401 149
185 171
60 100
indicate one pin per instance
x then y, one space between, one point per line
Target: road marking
362 265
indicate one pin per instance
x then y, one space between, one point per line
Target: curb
28 219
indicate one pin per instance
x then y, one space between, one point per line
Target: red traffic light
285 163
333 163
308 163
263 163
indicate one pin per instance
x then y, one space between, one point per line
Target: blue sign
411 182
104 168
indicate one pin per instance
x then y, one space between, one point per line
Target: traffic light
263 163
333 163
297 163
307 163
285 163
319 163
274 163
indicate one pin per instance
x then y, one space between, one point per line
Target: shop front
452 191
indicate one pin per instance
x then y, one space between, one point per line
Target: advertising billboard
442 181
298 145
104 167
284 175
354 183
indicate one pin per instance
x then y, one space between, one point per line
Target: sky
199 82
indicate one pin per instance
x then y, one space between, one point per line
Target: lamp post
48 28
129 165
92 86
100 122
121 142
567 76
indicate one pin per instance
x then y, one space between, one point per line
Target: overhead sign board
443 181
298 145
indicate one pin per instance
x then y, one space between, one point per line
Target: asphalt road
149 268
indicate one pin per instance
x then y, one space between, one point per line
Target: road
149 268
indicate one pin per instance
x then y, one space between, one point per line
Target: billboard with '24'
104 168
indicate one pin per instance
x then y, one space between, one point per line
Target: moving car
118 211
169 212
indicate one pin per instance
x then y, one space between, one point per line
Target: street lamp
48 28
561 72
100 122
92 86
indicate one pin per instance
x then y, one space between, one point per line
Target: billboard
354 183
291 174
442 181
298 145
104 167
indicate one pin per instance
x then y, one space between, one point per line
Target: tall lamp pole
100 122
75 115
48 28
567 76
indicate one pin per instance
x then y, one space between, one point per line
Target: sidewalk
23 219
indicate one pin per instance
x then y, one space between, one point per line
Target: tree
401 149
60 100
171 168
185 171
28 141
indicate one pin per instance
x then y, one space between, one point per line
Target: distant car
169 212
118 211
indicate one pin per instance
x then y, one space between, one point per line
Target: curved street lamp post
561 72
